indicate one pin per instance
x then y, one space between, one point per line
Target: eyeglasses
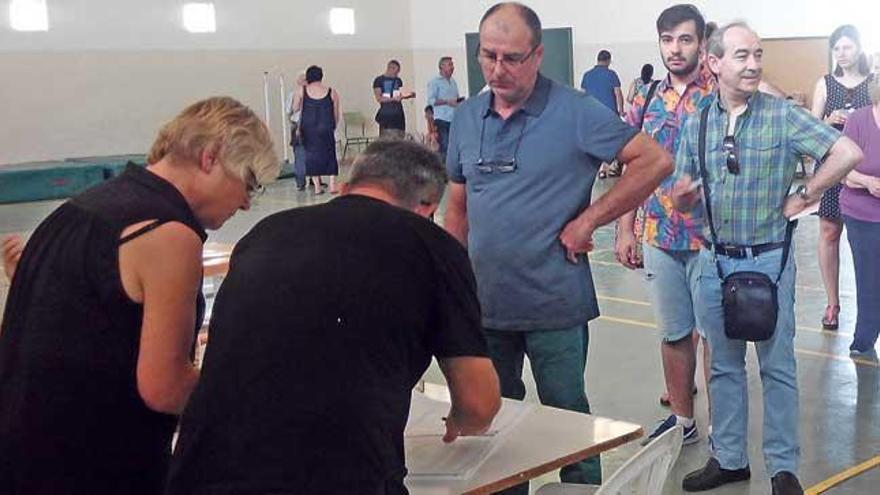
499 165
729 147
502 166
254 188
489 59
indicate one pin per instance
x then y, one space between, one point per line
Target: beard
690 65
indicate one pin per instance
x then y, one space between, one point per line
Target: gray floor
840 398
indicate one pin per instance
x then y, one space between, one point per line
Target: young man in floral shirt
671 240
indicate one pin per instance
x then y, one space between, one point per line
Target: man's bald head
524 13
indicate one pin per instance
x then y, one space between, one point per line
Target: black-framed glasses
729 147
490 59
254 188
501 166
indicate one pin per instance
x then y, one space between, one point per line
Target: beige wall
795 64
63 104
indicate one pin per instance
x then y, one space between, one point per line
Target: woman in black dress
836 96
320 114
97 336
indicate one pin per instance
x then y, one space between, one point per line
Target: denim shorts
672 278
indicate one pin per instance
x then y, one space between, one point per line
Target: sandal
831 321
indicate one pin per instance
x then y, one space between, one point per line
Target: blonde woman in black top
97 336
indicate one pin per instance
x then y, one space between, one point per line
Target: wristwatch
802 192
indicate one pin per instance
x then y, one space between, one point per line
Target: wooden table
544 440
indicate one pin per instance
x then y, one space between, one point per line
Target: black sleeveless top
840 97
71 418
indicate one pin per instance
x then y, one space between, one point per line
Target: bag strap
786 248
704 176
648 98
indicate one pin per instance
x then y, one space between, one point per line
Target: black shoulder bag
749 299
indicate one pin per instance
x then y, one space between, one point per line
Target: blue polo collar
533 106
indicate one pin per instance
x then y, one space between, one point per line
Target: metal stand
266 96
285 134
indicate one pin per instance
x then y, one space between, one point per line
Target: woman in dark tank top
97 336
836 96
320 114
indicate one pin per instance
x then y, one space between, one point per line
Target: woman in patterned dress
836 96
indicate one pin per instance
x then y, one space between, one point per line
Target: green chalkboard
558 63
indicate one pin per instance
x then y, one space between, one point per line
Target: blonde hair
244 145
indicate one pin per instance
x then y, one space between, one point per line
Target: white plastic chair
643 474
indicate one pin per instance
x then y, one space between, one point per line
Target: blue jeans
299 165
864 239
558 359
728 384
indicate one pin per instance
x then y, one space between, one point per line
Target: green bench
35 181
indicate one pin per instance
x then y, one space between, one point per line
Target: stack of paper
428 457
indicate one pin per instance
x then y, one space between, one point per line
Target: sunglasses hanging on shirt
499 165
729 147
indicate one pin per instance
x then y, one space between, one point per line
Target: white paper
427 457
809 210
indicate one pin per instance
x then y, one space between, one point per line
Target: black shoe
712 476
786 483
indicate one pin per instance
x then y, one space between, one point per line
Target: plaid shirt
770 136
664 226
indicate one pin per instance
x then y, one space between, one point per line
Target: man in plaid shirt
752 146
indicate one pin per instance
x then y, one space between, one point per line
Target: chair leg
345 150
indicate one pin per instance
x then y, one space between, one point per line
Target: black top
840 97
71 418
391 111
327 319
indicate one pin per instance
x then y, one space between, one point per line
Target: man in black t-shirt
328 317
388 90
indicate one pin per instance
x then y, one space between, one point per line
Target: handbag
640 211
749 299
295 131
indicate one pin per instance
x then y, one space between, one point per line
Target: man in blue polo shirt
602 83
522 160
443 97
